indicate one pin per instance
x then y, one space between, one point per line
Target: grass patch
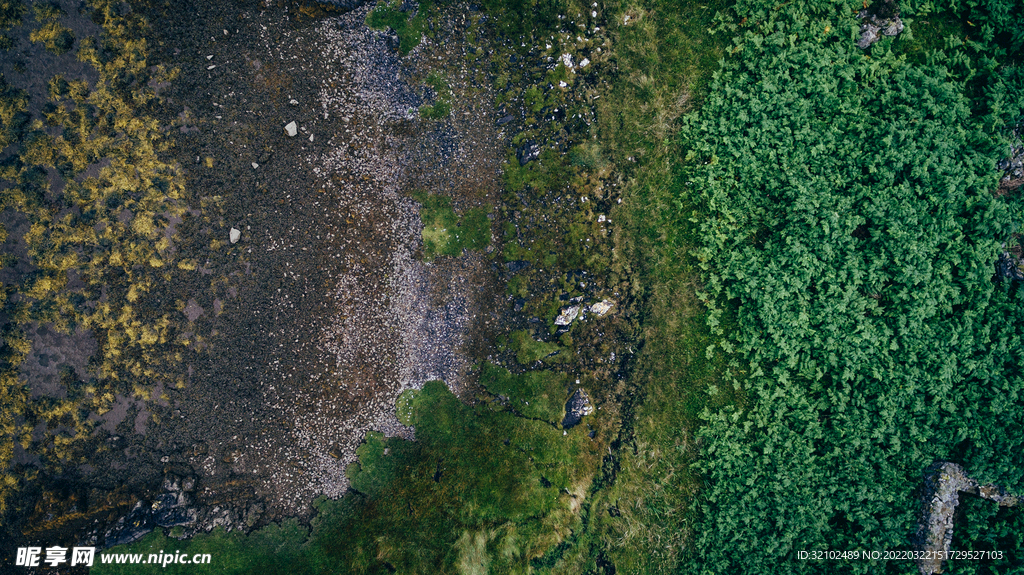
642 520
480 490
446 233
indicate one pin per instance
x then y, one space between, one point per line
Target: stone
255 165
567 315
517 265
601 308
874 26
527 152
944 482
235 235
576 408
292 129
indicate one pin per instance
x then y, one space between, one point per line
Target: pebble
235 235
292 129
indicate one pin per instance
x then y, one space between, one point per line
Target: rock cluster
884 21
943 486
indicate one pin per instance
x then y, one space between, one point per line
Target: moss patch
529 350
538 394
409 27
442 105
446 233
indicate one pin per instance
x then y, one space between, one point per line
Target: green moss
447 233
404 405
538 394
529 350
442 107
409 28
437 111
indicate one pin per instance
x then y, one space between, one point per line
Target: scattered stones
292 129
1012 166
234 235
1009 266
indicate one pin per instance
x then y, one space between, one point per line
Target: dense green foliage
848 218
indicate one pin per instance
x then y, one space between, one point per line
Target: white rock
568 314
602 308
311 137
211 66
235 235
292 129
293 102
255 165
584 62
210 57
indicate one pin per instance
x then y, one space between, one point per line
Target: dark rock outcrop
577 407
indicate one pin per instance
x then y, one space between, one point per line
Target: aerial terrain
525 286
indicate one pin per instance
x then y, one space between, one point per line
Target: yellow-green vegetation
447 233
10 13
89 181
57 37
540 394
